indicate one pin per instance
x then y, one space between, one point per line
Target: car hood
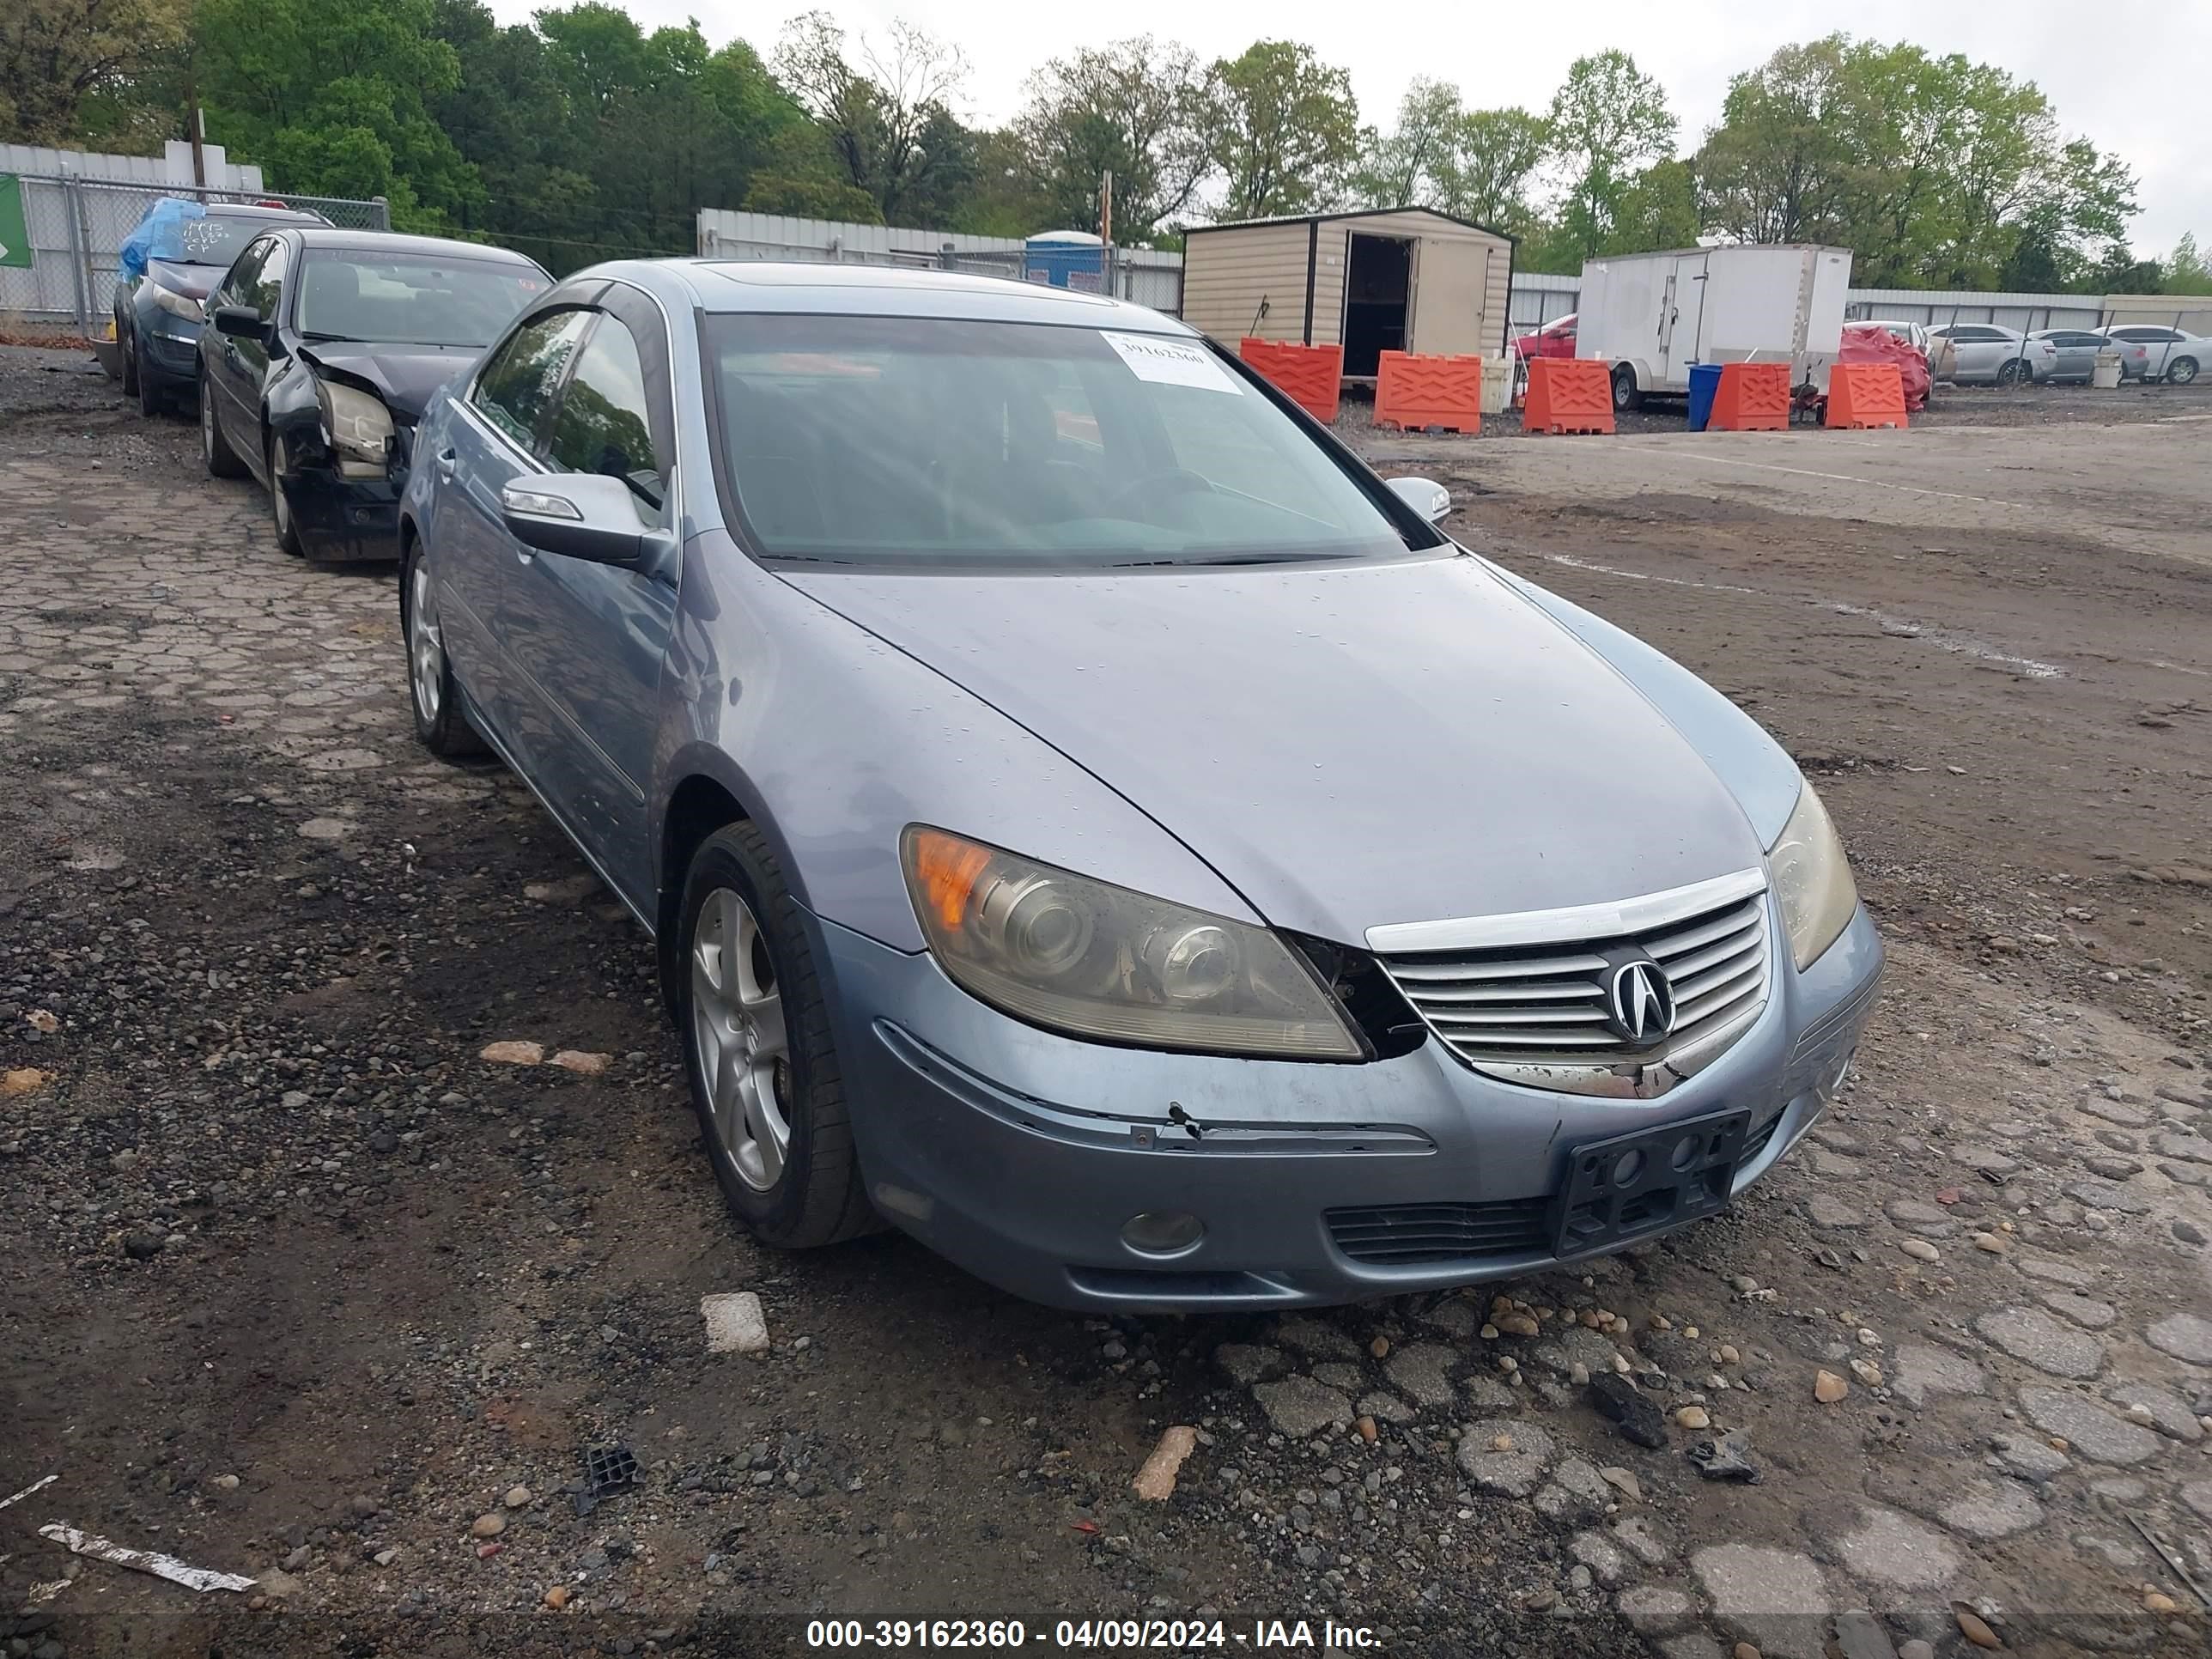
1346 746
194 282
405 376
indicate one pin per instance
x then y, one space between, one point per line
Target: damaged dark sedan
320 351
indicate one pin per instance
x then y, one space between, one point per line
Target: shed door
1450 279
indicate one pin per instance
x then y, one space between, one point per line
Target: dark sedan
321 349
172 257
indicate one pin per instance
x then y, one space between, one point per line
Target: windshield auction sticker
1171 363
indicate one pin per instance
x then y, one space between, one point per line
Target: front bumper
1020 1155
344 519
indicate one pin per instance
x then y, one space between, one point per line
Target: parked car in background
862 675
1555 339
1934 349
172 257
1982 353
2170 354
321 348
2077 349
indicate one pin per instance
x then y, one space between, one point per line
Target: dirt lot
294 1285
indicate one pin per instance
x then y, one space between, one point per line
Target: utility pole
195 121
1106 233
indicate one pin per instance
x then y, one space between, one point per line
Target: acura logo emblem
1639 1001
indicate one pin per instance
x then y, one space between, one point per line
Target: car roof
278 216
390 241
729 286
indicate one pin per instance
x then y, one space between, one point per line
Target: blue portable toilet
1065 258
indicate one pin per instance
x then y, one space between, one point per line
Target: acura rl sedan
1092 822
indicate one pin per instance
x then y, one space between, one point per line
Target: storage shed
1393 279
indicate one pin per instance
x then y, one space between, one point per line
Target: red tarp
1871 343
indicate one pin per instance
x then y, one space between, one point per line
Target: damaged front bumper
1033 1160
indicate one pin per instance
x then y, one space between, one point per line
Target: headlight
176 304
1812 880
358 428
1080 956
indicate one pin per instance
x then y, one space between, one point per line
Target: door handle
445 460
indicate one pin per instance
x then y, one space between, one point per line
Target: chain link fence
72 230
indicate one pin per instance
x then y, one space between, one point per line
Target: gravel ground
295 1284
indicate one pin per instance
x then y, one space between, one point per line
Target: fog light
1161 1232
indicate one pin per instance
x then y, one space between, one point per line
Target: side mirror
241 323
1426 496
578 515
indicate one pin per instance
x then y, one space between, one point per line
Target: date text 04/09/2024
1089 1634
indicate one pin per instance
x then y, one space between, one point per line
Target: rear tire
764 1069
441 723
2008 372
2181 371
221 460
1625 396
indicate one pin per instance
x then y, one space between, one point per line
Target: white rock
735 1322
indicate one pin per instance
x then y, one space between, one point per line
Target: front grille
1537 1013
1399 1235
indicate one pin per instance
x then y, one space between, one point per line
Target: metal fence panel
76 228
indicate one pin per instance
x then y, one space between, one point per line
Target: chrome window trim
1567 923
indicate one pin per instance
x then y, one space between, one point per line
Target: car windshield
925 441
411 299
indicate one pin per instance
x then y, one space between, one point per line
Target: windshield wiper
316 334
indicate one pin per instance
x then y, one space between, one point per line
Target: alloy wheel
738 1029
426 648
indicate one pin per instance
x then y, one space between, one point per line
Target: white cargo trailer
1652 315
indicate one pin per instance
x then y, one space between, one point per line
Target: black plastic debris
1635 1413
1728 1458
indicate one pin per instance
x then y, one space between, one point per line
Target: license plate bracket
1647 1180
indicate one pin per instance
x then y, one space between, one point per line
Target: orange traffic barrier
1414 392
1865 395
1752 398
1312 377
1568 394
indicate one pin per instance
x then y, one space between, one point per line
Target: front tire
221 460
1626 398
126 347
764 1071
441 726
2181 371
280 505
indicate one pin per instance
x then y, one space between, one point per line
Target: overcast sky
2133 75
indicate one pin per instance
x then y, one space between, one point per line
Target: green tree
1130 108
886 109
1281 126
1934 170
1608 124
60 59
331 98
1493 161
2186 272
1406 166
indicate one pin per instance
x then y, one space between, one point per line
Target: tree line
580 135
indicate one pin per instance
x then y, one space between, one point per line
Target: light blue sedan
1091 822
